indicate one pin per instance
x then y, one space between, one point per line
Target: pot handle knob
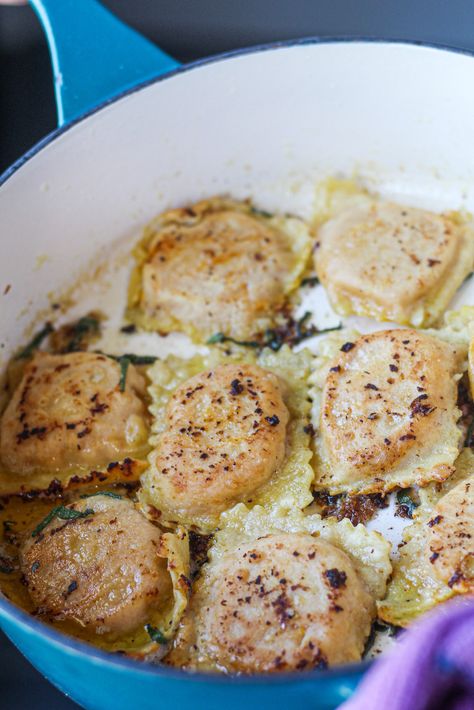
94 55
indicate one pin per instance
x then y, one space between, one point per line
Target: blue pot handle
94 55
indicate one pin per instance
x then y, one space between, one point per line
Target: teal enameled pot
138 133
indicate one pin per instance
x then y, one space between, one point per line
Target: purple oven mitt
430 668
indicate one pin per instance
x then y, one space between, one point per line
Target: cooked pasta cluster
170 508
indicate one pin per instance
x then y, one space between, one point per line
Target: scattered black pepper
72 588
236 387
335 577
131 328
273 420
310 281
455 579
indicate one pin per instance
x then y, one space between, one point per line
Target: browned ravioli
70 411
97 564
225 436
450 545
393 262
287 601
388 413
218 265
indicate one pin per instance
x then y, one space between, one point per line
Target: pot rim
213 59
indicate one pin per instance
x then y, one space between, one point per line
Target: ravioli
280 593
217 266
68 414
225 431
367 244
385 410
236 440
451 537
108 574
225 436
435 559
368 550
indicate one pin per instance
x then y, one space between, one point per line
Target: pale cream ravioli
279 594
389 261
69 413
217 266
435 561
385 410
451 537
228 431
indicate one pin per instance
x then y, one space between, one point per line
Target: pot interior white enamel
264 123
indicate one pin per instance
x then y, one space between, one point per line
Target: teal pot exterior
100 681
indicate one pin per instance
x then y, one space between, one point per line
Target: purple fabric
430 668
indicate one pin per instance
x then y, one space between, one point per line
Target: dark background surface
187 29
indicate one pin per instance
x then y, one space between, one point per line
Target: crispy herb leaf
83 328
379 627
124 362
221 338
261 213
406 504
63 513
138 359
155 634
303 332
134 359
293 332
35 342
